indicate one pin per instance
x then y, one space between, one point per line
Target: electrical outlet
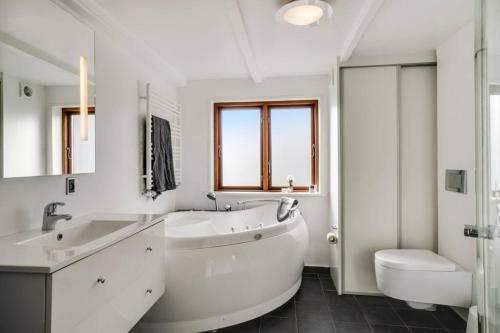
70 185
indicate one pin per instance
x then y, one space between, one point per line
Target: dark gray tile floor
316 308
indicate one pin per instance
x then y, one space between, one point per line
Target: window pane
82 152
495 141
291 145
240 147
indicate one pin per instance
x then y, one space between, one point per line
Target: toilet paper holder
332 238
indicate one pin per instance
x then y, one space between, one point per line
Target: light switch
456 181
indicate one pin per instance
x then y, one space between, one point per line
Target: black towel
163 162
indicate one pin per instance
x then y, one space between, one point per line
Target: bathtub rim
173 242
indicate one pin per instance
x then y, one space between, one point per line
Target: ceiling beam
241 35
99 20
361 24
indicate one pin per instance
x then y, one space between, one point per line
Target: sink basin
81 234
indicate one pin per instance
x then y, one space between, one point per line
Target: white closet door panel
418 157
370 170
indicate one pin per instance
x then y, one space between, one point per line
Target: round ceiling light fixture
305 12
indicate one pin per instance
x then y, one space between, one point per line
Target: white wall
23 143
388 123
115 187
456 144
196 99
369 171
335 225
494 68
417 157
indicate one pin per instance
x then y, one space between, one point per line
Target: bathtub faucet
212 196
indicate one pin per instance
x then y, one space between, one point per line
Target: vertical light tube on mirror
84 109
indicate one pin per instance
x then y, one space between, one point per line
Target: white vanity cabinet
106 292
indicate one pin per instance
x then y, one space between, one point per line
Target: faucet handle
51 207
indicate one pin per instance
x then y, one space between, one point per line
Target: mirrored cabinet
47 91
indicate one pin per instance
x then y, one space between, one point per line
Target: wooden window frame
66 136
265 144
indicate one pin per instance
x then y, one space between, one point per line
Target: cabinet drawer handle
149 291
101 280
149 249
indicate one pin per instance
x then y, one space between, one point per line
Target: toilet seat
414 260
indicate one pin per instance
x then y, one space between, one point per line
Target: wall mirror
47 109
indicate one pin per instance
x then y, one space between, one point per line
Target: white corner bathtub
224 268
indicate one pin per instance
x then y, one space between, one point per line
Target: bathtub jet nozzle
212 196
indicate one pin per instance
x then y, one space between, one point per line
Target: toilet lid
414 260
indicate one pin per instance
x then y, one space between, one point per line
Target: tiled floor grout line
439 321
409 327
397 314
363 313
323 291
309 290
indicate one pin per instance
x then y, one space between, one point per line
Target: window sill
269 194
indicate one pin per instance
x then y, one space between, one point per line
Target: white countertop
16 257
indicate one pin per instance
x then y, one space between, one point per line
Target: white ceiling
413 26
29 68
197 37
42 29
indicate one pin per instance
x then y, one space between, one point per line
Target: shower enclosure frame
487 205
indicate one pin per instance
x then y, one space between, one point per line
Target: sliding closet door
418 157
370 170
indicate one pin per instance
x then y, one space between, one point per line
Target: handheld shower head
212 196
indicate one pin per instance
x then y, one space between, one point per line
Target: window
78 156
495 138
259 144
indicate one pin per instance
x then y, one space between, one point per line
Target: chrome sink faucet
50 217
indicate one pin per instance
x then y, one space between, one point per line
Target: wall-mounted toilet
422 278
